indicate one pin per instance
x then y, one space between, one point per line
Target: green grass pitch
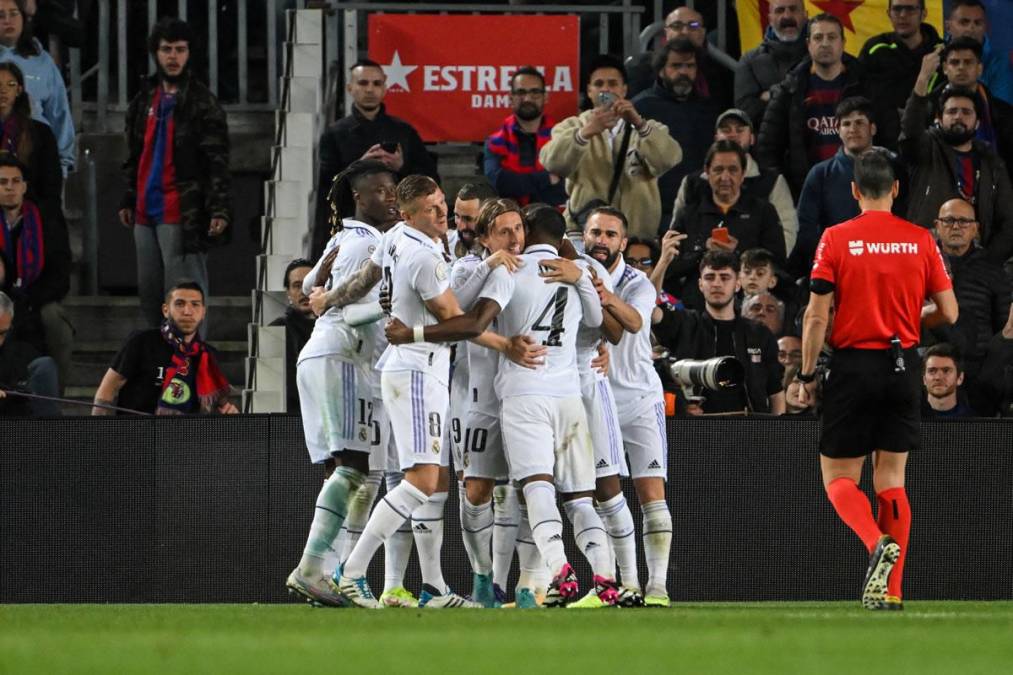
815 637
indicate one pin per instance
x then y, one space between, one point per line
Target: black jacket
689 334
933 181
14 359
994 388
996 112
712 77
763 67
752 220
347 140
298 329
200 158
781 142
983 295
691 124
890 72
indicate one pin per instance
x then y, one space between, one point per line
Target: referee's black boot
884 557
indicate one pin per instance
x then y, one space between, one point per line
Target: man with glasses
981 287
892 59
712 79
511 154
764 66
948 162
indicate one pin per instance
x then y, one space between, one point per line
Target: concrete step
98 318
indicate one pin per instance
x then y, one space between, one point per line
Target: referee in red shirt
877 270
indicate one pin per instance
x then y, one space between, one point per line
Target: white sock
391 511
359 507
590 534
330 512
546 523
427 528
528 558
657 545
504 535
618 521
476 530
398 547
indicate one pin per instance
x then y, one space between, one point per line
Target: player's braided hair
345 182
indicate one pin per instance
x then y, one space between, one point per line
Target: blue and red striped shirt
820 111
157 196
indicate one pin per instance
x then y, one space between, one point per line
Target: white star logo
397 74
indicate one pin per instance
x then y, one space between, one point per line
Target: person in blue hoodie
826 197
967 19
43 81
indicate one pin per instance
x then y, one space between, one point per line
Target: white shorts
483 448
546 435
381 444
459 404
334 400
645 437
603 422
416 405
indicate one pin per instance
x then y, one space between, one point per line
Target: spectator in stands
176 202
713 80
767 309
892 61
783 46
37 268
942 377
31 142
46 90
967 19
799 126
789 351
725 219
22 367
981 287
688 116
826 197
734 125
718 331
583 151
511 154
298 322
367 132
961 67
947 162
461 237
995 386
168 370
759 273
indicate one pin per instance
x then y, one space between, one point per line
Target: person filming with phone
610 155
724 219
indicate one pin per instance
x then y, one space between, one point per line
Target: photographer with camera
876 269
717 331
610 155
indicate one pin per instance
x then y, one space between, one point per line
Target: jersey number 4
555 328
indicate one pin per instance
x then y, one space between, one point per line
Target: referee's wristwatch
805 379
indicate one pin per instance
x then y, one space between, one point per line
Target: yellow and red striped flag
862 19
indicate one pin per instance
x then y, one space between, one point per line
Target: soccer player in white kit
334 388
639 397
543 421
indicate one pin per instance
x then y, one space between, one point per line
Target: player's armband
821 286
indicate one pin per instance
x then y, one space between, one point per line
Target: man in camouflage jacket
177 171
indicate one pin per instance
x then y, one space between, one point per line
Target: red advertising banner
449 76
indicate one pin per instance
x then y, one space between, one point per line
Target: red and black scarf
194 372
29 257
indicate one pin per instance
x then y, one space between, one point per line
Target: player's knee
425 478
606 488
479 490
650 489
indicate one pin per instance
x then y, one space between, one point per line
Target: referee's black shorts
868 406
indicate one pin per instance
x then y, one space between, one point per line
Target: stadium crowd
694 196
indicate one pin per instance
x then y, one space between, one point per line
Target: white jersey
631 370
331 336
467 280
415 270
550 313
589 338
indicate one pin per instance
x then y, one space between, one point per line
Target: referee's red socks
854 509
895 520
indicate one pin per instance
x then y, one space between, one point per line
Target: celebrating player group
499 351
